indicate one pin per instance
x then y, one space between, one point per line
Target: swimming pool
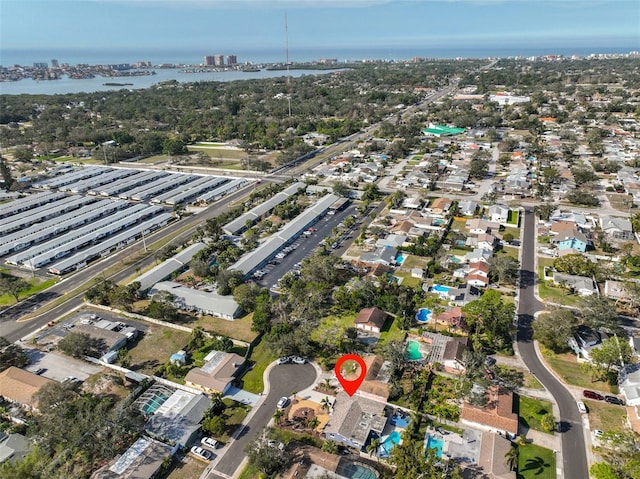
400 258
439 288
435 443
389 443
423 315
355 471
400 420
412 351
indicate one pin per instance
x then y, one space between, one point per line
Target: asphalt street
283 381
571 429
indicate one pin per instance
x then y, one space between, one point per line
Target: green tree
478 168
79 345
330 446
7 176
555 328
215 425
511 457
492 317
246 295
373 446
612 352
575 264
545 210
601 470
174 145
504 269
599 312
267 459
11 355
12 285
548 422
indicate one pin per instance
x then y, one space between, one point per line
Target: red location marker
350 387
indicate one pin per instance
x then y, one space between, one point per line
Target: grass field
238 329
219 152
36 286
567 367
605 417
532 411
155 347
234 414
620 201
536 462
260 358
248 472
154 159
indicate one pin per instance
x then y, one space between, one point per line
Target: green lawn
36 287
513 217
250 472
556 294
567 367
238 329
391 332
220 152
260 358
234 414
155 348
536 462
408 280
532 411
514 231
511 251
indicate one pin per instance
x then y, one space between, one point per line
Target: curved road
574 455
283 380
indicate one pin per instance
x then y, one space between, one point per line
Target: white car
284 360
581 407
201 453
299 360
598 433
209 442
283 402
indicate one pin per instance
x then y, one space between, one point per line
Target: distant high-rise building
219 60
232 59
209 61
54 63
40 65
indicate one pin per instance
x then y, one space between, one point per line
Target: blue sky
224 25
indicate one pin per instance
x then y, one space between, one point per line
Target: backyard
155 347
259 359
238 329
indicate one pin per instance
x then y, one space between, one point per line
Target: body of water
88 85
27 57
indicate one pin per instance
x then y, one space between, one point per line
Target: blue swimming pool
439 288
423 315
435 443
389 443
400 420
400 258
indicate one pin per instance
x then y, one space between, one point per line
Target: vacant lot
567 367
188 468
155 347
606 417
238 329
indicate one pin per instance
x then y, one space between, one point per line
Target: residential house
452 357
376 383
615 290
173 416
371 319
585 340
13 447
440 206
20 386
571 241
412 202
562 226
629 384
616 228
498 214
143 460
498 415
453 316
384 254
478 226
478 254
464 294
468 207
218 372
402 227
581 285
393 240
354 420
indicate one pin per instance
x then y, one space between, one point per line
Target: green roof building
441 130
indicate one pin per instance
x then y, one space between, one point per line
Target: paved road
283 381
573 445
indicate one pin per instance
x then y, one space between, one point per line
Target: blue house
574 239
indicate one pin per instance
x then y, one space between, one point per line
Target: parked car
614 400
209 442
598 433
201 453
39 371
283 360
299 360
592 395
581 407
489 361
283 402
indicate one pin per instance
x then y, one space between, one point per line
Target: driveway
283 381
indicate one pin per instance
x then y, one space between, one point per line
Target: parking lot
304 246
57 367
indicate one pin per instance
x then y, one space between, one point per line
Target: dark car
614 400
592 395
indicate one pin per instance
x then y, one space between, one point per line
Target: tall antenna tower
286 36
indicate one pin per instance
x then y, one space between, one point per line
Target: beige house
217 374
19 386
371 319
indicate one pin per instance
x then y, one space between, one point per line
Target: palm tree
511 457
314 422
325 403
278 415
373 447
